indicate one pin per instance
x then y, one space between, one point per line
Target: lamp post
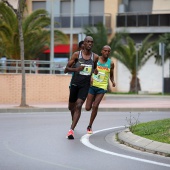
138 46
162 54
71 27
52 37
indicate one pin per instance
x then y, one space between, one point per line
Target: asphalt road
37 141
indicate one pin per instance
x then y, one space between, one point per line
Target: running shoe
89 130
70 134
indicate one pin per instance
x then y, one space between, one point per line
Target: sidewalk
109 103
113 103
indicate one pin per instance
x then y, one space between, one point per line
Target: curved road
37 141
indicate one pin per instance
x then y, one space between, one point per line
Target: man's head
106 51
88 43
81 45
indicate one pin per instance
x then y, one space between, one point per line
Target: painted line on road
37 159
85 140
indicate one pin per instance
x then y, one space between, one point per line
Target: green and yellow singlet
101 79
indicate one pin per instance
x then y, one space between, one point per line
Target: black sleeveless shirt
83 77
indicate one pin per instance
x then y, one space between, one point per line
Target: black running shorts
78 92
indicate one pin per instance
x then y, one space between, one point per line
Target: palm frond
35 32
7 15
36 20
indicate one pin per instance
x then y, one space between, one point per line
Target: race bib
87 70
99 77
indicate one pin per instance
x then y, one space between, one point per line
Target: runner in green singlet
99 84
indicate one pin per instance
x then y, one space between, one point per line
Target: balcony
80 21
143 23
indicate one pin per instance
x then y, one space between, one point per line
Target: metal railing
32 67
83 20
143 20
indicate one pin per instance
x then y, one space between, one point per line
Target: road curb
37 109
128 138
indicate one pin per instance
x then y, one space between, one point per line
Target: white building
137 17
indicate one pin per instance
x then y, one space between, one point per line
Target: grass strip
158 130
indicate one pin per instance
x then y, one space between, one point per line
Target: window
154 20
165 20
96 6
96 12
142 20
65 12
131 20
38 5
65 7
140 6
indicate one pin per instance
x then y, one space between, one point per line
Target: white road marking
37 159
85 140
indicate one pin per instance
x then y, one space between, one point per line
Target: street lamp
52 37
162 54
138 46
71 27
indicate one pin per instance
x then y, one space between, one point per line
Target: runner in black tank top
84 67
71 106
83 77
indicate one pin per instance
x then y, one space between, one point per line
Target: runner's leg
89 102
96 103
71 107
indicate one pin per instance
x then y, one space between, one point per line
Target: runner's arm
96 58
71 62
112 74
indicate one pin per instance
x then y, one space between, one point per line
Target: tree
165 38
100 36
127 55
36 36
13 32
19 15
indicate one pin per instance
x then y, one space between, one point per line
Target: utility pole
52 37
162 54
138 46
71 27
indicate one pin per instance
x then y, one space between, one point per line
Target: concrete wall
40 88
111 7
150 76
161 6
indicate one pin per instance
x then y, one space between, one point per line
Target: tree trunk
23 89
133 87
19 12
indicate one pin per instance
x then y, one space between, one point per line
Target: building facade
140 18
137 17
85 12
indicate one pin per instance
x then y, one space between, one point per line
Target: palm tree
100 36
17 34
165 38
35 33
127 55
19 15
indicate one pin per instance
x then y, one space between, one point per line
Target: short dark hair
80 43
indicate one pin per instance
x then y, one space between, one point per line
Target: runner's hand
95 71
113 84
91 81
80 68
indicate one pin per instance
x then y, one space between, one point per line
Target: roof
62 48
